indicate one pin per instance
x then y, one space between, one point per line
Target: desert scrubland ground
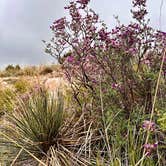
104 104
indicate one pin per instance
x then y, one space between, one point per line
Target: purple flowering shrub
126 59
121 64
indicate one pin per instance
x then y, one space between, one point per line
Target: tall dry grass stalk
153 108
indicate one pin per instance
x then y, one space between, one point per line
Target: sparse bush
36 122
17 67
30 71
10 71
10 68
7 100
46 70
40 125
21 86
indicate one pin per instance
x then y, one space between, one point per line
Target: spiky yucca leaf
35 124
39 123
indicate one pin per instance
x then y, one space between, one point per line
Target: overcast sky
25 23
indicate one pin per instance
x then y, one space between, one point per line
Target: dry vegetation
104 105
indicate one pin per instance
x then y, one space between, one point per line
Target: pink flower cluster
59 24
140 13
161 38
139 3
148 125
103 35
83 3
149 148
70 59
75 65
126 38
116 86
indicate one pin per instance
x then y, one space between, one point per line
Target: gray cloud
23 26
25 23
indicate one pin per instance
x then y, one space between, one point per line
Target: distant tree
17 67
46 70
9 67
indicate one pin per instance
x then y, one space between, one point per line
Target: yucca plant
39 128
34 125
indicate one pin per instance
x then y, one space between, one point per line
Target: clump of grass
35 123
7 100
21 86
40 127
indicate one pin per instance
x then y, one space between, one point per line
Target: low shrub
40 126
10 68
29 71
21 86
10 71
36 123
7 100
46 70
